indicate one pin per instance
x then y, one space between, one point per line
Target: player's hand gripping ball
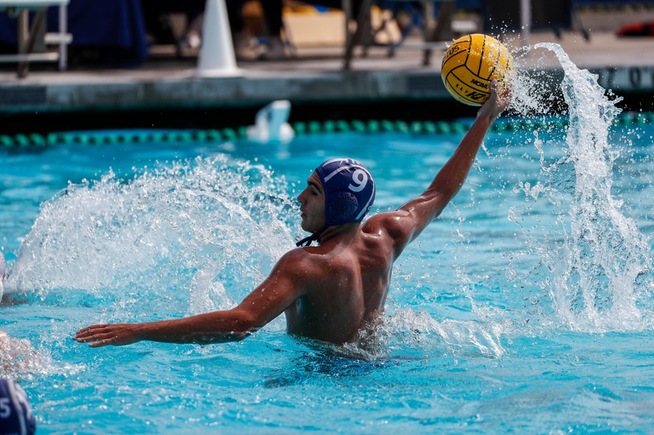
471 63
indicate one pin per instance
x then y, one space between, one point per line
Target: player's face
312 205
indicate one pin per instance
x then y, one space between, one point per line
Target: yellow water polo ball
471 63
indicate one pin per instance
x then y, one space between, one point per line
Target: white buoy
217 52
270 124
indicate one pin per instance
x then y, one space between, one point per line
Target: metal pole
63 43
525 20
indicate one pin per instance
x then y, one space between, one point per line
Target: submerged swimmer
331 291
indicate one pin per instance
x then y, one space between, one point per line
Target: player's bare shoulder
301 263
389 224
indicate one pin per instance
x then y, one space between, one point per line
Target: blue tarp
114 27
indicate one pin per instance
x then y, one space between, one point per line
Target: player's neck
339 232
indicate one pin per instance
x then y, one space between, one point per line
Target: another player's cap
15 411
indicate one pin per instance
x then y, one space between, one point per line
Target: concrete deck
168 91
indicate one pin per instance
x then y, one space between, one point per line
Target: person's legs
195 17
155 25
234 14
245 45
272 10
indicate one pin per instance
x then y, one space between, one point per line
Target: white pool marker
271 124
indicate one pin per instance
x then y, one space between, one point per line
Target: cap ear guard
342 208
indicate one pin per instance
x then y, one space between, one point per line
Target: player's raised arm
409 220
450 178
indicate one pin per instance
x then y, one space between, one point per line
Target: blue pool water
527 307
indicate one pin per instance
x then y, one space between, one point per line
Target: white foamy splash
592 266
135 242
408 334
18 357
20 360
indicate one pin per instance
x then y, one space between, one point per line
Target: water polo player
333 290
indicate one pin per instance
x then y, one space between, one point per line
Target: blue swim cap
15 413
349 193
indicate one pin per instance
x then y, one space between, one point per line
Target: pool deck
166 86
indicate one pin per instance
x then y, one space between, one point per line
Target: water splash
598 256
408 334
172 236
19 359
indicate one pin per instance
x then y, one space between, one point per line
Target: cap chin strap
313 237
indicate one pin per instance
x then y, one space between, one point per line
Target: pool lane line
107 137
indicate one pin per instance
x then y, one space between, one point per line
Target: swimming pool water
526 307
477 337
